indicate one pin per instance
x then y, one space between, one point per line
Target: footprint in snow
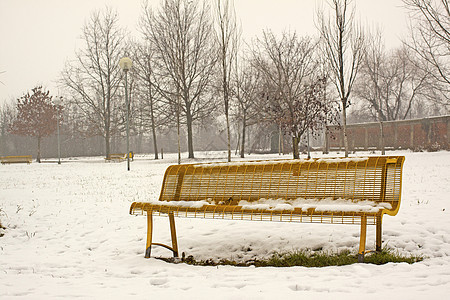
158 281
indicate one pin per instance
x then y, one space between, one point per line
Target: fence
417 134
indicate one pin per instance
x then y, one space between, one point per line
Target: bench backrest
375 179
16 159
119 155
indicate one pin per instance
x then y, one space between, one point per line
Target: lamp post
125 64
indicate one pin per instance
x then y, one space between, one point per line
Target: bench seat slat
234 212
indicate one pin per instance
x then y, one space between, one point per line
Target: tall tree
370 87
431 34
304 114
343 46
150 109
93 78
36 116
247 91
7 115
181 33
430 40
288 66
391 83
227 34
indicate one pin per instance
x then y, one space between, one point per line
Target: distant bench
118 156
330 190
16 159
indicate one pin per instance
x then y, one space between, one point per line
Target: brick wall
413 134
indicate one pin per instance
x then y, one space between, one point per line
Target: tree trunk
189 132
152 116
380 118
243 136
383 152
38 158
295 152
178 130
344 121
228 136
226 98
107 143
155 144
108 122
279 140
307 137
326 145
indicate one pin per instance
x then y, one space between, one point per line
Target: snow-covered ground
69 234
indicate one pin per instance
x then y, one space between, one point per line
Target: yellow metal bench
331 190
16 159
118 156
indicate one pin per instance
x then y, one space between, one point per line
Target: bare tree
391 83
430 40
403 84
248 89
7 115
150 113
227 34
343 47
289 66
370 78
93 79
430 34
181 35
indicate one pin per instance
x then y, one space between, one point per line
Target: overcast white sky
38 36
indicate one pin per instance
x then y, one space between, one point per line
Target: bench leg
378 233
173 234
148 248
362 241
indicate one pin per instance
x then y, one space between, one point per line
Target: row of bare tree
186 60
190 66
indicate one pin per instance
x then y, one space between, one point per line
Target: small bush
307 258
419 148
434 147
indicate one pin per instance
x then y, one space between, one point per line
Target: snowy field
69 235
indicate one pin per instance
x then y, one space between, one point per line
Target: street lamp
125 64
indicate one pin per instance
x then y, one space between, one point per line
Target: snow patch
320 205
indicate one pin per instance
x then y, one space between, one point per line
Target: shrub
434 147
